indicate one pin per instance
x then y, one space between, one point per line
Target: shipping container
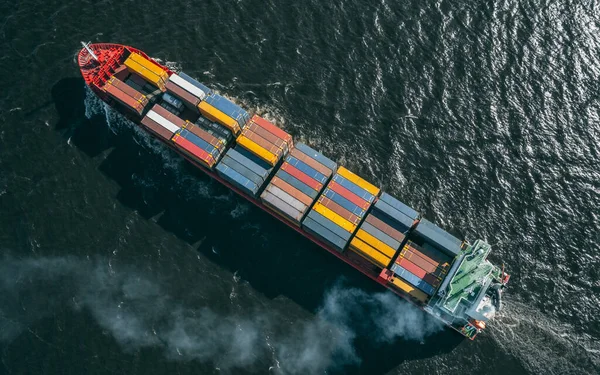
219 117
325 171
237 179
339 210
188 99
416 293
229 108
412 268
129 82
210 149
162 121
358 181
193 150
316 156
355 189
297 184
257 150
306 169
337 219
380 235
241 169
367 252
263 142
128 90
394 214
170 108
273 129
351 207
292 191
381 220
330 225
399 206
313 184
173 101
375 243
413 279
214 141
323 234
281 207
151 66
208 124
355 199
169 116
157 128
149 76
263 133
287 198
126 100
438 237
187 86
248 163
194 82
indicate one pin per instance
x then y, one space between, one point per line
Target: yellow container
257 150
149 65
409 289
145 73
345 224
215 115
358 181
369 253
375 243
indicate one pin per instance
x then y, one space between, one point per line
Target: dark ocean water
120 258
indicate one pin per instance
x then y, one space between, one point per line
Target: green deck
471 276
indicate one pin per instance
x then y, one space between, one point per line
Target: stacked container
187 89
199 143
126 95
298 182
162 122
265 140
244 170
383 231
221 110
341 207
147 69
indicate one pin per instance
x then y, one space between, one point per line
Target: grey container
380 235
242 170
237 179
330 225
410 212
394 214
316 156
324 234
288 199
438 237
175 102
259 170
281 206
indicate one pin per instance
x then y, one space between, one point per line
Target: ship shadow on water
274 259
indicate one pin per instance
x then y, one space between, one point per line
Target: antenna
87 47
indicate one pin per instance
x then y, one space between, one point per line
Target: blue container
199 85
241 169
248 155
333 227
380 235
257 169
438 237
390 221
229 108
328 193
413 214
308 170
316 156
362 193
323 234
237 179
297 184
413 279
200 143
393 213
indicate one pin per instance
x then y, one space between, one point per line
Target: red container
311 162
157 128
205 135
194 150
128 90
169 116
348 195
190 100
416 256
339 210
413 268
313 184
124 99
292 191
266 135
272 148
385 228
271 128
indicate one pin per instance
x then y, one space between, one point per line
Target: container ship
328 204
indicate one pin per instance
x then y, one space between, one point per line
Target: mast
86 46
